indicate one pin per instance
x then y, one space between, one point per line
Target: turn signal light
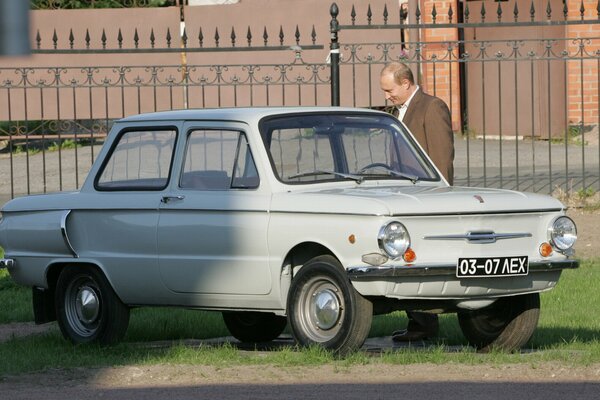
546 249
409 255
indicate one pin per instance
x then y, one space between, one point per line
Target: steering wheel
375 165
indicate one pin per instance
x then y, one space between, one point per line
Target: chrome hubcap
326 309
87 305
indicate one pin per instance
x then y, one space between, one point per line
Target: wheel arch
54 270
303 252
294 260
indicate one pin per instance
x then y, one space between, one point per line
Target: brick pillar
441 77
582 82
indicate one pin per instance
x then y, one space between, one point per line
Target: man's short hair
400 72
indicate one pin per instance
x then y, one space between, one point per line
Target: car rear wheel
506 325
87 308
325 309
254 326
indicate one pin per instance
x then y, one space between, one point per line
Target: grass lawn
568 331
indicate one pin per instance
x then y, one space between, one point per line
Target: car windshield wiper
413 178
356 178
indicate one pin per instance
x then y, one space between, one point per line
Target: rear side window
141 160
218 160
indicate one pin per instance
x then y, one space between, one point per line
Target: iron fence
525 106
525 109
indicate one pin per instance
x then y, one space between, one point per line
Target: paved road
348 391
522 165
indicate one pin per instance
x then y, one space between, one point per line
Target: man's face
395 93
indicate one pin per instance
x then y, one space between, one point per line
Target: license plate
492 266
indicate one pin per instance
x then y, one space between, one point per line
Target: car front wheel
505 325
87 308
325 309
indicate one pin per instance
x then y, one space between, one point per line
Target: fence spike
548 10
281 36
249 37
152 38
103 38
566 9
582 10
482 12
265 36
136 38
71 38
532 11
168 37
353 15
467 13
38 39
418 14
232 37
313 35
433 13
55 39
184 37
201 38
597 9
450 13
499 11
120 39
516 12
385 14
297 35
369 15
217 37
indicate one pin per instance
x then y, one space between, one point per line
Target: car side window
218 160
141 160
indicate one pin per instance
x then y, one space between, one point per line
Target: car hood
413 200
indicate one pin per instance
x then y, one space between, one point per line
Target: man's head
397 82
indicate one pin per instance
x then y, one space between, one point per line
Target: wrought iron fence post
334 56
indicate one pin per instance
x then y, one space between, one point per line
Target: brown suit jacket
428 118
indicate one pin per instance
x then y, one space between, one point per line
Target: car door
116 223
213 224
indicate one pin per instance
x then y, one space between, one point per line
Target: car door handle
166 199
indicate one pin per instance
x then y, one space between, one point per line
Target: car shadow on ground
548 338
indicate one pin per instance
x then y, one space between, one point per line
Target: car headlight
562 233
393 239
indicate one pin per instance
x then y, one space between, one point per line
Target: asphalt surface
524 165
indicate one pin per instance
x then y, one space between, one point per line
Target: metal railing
519 124
502 93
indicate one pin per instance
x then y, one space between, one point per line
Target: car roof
236 113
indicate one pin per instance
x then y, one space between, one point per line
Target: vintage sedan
316 217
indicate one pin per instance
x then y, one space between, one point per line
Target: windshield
342 146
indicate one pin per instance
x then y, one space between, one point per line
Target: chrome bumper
369 272
6 263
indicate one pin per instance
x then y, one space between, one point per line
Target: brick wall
583 76
441 78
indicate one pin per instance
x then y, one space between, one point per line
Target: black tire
506 325
254 327
87 308
344 324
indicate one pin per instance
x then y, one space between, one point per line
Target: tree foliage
75 4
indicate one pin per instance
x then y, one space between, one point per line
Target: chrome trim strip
497 212
368 272
6 263
63 231
480 237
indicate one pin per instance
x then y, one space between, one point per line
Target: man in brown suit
428 118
